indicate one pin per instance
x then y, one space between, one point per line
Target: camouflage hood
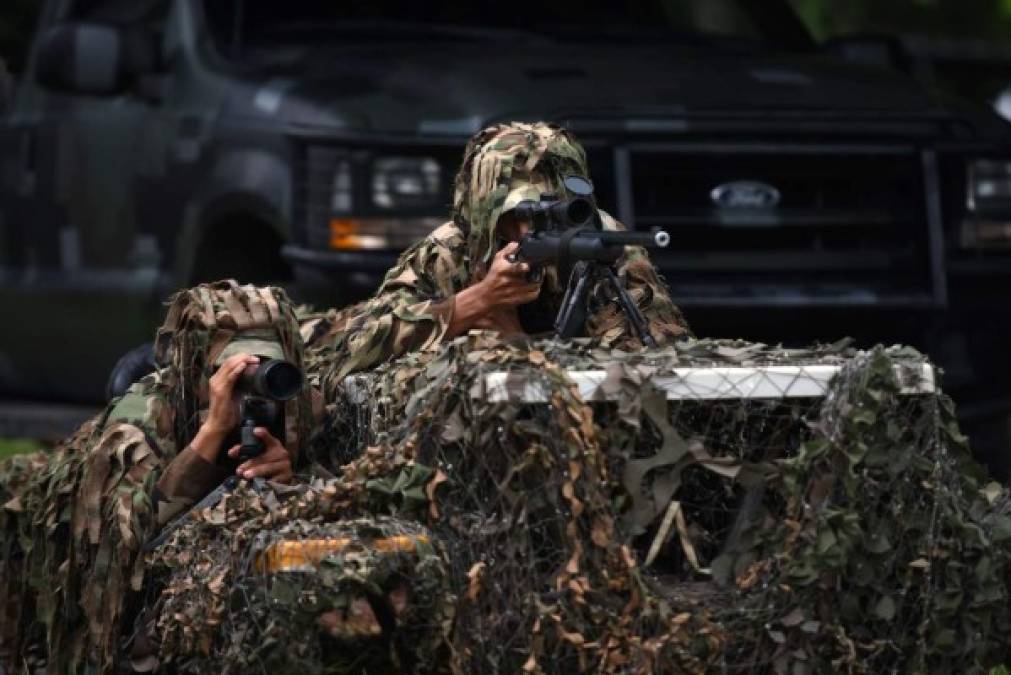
504 158
201 321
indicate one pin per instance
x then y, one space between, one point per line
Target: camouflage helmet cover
201 323
516 159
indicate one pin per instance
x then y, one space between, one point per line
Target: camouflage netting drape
850 532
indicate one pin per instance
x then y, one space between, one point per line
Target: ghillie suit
709 533
71 541
273 579
413 307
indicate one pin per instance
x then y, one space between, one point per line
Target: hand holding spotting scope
264 388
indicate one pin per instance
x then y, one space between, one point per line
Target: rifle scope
561 214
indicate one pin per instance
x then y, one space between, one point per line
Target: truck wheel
132 366
241 249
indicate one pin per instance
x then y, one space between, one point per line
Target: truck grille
854 224
318 191
850 226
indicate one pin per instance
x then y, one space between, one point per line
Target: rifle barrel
604 246
658 239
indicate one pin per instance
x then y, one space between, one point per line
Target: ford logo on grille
745 194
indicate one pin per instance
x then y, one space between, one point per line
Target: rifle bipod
571 319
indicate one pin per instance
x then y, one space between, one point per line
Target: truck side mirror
95 59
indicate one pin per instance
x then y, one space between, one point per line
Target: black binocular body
263 390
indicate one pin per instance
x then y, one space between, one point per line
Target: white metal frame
759 382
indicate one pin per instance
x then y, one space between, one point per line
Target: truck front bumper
338 276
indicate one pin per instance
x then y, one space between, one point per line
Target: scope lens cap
578 186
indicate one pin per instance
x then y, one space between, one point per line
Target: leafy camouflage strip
217 606
71 546
15 474
502 157
853 533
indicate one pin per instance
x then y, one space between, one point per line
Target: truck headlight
988 205
989 186
406 182
373 234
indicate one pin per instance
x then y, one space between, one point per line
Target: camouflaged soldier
459 277
71 538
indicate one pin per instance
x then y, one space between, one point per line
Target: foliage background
16 446
984 19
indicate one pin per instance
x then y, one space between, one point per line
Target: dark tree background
983 19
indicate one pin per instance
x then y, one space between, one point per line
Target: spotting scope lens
274 379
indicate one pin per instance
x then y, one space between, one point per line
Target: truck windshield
242 28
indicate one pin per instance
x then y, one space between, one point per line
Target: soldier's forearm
185 481
469 306
207 443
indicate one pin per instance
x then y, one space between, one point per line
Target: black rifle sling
571 320
564 257
632 312
212 497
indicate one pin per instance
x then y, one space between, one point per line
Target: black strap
212 498
564 263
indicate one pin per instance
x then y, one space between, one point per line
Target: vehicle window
717 17
150 12
240 27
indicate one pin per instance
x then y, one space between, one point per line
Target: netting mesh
675 511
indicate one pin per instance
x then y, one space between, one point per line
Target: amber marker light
343 233
292 556
355 234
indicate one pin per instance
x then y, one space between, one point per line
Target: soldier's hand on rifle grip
533 274
503 287
274 464
507 283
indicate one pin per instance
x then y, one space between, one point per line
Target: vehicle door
103 145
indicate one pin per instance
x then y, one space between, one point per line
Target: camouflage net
715 532
265 581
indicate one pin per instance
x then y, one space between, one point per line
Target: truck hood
455 89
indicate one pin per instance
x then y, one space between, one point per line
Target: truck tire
131 366
243 249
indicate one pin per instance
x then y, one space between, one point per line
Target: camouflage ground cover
846 533
237 590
